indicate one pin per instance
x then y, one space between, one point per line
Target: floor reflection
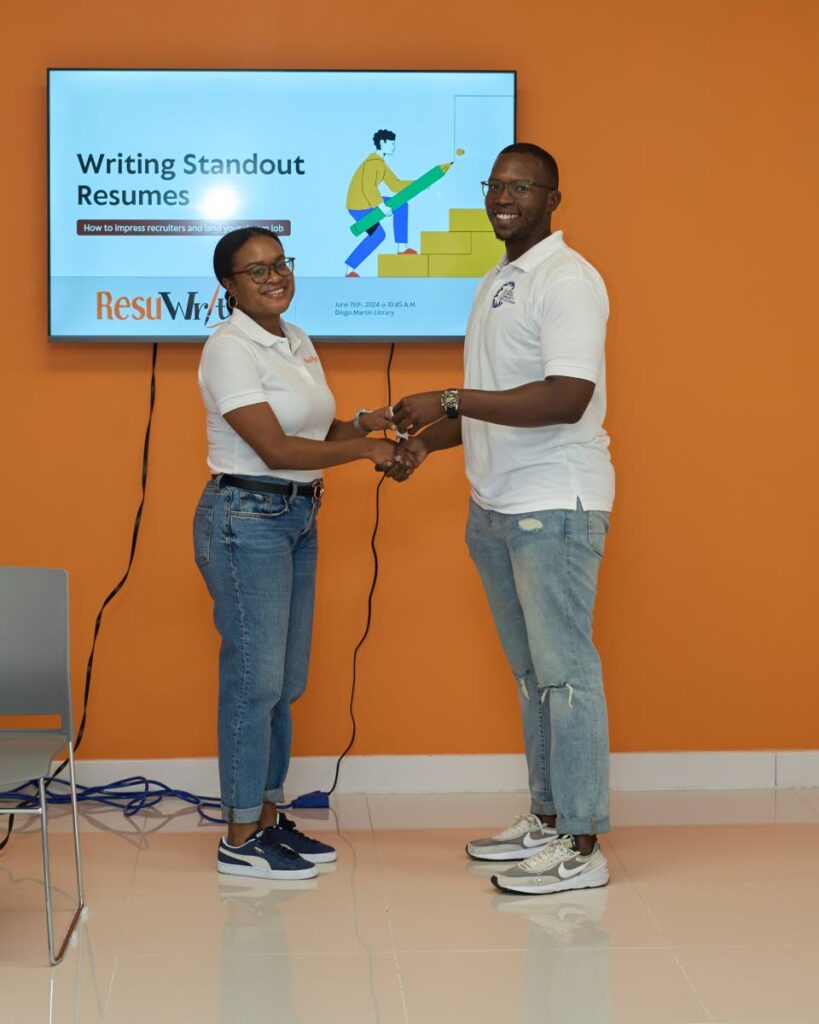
405 930
567 974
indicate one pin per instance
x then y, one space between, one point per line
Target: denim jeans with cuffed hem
539 570
257 554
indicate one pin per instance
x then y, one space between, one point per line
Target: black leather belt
315 489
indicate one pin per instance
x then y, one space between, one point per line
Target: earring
231 301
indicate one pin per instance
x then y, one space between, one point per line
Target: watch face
449 400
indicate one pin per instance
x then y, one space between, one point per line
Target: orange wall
687 138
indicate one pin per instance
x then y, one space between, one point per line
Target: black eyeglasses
515 188
260 272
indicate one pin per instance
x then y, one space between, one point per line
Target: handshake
399 459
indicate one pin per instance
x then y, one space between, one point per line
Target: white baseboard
485 773
735 769
797 769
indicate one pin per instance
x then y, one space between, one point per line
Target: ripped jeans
539 570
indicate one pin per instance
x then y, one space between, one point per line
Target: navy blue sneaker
262 857
286 834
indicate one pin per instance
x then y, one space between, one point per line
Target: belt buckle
318 491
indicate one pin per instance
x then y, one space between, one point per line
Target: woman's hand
393 460
378 419
380 452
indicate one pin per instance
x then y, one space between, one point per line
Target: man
530 418
364 196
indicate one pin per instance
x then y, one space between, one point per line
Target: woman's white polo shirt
243 364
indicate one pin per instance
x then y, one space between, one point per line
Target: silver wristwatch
451 400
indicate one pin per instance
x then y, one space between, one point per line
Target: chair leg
75 816
46 870
57 957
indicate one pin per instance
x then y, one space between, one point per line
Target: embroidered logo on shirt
311 359
506 293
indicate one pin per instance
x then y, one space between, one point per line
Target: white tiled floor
712 915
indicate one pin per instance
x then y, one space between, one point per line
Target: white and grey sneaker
521 840
556 868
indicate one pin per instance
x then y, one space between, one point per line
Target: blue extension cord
137 794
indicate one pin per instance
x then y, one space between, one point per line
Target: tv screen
371 179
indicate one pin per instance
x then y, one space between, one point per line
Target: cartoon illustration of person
363 196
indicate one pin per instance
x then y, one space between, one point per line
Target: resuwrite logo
165 305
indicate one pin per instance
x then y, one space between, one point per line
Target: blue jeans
375 236
539 570
257 553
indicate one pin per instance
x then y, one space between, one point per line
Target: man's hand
411 453
386 210
414 412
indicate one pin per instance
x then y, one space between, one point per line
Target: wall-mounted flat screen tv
371 179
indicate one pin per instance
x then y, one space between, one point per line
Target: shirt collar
536 255
248 326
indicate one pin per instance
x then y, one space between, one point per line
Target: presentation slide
372 181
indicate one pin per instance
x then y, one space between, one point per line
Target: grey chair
34 680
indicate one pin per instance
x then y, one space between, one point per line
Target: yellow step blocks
459 266
468 249
487 248
446 243
403 266
469 220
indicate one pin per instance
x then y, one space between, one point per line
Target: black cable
389 375
134 536
366 632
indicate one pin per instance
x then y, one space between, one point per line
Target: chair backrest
34 668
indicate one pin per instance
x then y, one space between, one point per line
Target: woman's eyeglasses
260 272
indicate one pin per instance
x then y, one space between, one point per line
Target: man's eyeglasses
514 188
260 272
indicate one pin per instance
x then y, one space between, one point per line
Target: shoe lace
523 823
269 842
550 855
288 825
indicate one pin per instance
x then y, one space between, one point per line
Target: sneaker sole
521 854
593 880
239 869
320 858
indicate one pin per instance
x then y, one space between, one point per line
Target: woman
271 431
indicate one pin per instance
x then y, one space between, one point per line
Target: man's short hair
547 161
385 135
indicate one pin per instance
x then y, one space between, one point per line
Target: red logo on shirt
311 359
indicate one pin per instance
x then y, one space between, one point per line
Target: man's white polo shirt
243 364
540 316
